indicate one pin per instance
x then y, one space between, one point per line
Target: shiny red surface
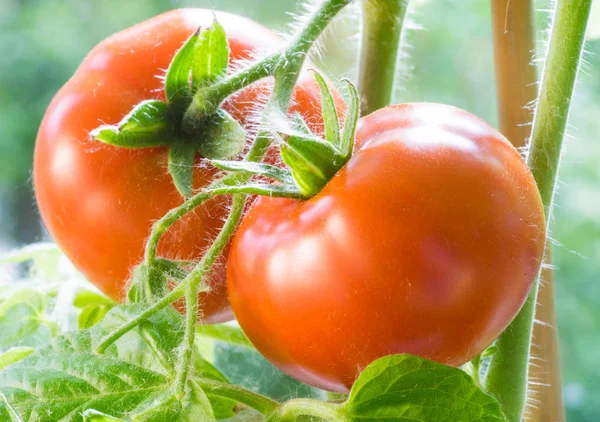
427 242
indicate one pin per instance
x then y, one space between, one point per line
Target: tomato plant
99 201
405 250
379 255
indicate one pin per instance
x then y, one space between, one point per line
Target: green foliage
405 387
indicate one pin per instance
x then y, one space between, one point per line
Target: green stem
256 401
185 350
382 30
206 101
292 410
287 72
507 375
194 278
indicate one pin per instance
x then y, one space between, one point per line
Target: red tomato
427 242
99 201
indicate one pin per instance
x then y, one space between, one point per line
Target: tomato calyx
314 161
311 161
199 63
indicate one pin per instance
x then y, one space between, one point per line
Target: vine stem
507 375
292 410
382 30
516 88
254 400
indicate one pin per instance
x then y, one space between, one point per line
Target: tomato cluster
426 242
99 201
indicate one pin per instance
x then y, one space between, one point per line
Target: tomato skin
427 242
99 201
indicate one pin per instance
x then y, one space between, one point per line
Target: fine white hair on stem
404 67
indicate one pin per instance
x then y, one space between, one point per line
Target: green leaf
490 351
91 315
211 56
162 406
177 80
62 380
330 117
85 297
13 355
148 125
255 169
312 161
21 315
30 252
352 115
7 413
226 333
405 387
92 415
181 167
196 405
223 137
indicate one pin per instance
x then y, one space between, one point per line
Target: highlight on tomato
425 241
98 200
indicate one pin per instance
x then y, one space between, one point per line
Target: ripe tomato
427 242
99 201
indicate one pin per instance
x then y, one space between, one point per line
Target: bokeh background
447 57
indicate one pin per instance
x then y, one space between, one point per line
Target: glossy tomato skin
99 201
427 242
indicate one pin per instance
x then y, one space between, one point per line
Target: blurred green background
448 59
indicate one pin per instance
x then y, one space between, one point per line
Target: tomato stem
382 30
256 401
507 375
207 100
292 410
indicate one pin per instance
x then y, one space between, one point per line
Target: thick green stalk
382 30
507 375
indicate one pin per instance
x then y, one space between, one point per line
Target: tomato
427 242
99 201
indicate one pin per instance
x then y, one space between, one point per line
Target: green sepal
92 314
350 122
181 167
255 169
329 112
149 125
177 79
312 161
222 137
211 56
14 354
